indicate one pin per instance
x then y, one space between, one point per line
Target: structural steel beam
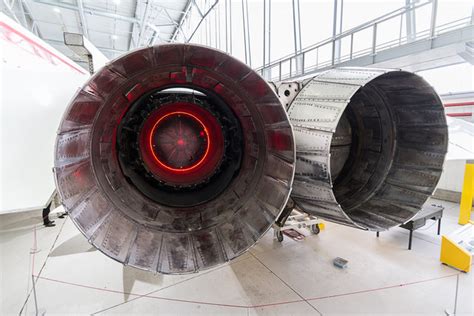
411 20
182 20
80 6
97 12
202 19
143 22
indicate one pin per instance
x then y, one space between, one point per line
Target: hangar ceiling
113 26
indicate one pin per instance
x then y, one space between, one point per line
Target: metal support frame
145 15
143 10
217 21
297 37
134 30
198 9
103 13
97 12
228 26
22 15
206 25
295 219
155 36
434 13
202 19
187 9
375 46
80 6
9 7
374 40
411 20
177 25
226 10
337 29
267 37
433 212
246 29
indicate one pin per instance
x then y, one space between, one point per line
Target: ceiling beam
97 12
134 27
143 22
9 8
187 9
202 19
178 25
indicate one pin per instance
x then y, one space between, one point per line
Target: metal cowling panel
370 146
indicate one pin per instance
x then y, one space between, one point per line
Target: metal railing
323 54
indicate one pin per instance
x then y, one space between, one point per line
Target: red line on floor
34 249
134 294
247 306
383 288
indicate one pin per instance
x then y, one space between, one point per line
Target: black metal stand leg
409 240
45 214
378 234
439 225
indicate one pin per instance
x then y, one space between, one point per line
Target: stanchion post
467 194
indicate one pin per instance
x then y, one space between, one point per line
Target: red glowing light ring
200 170
194 166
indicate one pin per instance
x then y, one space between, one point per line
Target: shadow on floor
130 275
75 245
20 224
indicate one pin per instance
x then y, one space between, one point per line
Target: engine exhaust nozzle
370 146
174 158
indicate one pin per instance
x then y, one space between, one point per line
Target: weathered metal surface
128 227
370 146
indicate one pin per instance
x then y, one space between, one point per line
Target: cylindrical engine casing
370 145
95 174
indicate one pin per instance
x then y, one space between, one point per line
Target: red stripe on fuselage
8 33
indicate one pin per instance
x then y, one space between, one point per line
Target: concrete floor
291 278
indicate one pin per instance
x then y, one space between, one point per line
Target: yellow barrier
467 194
322 226
452 254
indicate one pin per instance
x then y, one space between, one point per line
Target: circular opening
129 211
362 148
179 141
174 146
380 171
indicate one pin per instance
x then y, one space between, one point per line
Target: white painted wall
36 84
453 176
461 148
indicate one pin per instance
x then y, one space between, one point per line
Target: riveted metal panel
128 226
388 185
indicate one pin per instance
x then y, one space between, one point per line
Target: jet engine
174 158
177 158
370 145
